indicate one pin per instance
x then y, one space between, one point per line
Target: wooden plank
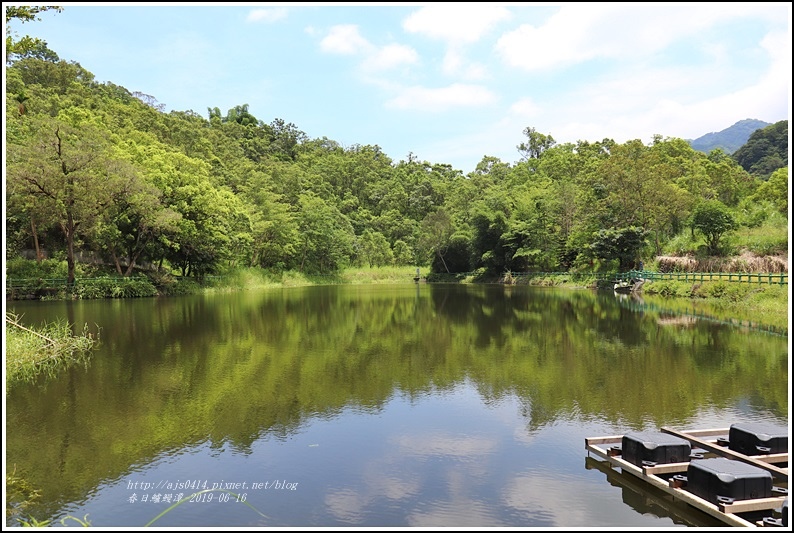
672 468
710 508
777 472
667 468
745 506
709 432
603 440
774 458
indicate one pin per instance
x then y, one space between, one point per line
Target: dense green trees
93 167
775 190
765 151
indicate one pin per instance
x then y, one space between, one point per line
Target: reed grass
44 350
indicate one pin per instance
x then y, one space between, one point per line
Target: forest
94 171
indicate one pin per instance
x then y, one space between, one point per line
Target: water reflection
401 405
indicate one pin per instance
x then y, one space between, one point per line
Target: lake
416 405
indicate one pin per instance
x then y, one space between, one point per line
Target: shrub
94 288
733 292
668 288
176 287
19 268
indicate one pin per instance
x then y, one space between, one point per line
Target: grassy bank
758 303
254 278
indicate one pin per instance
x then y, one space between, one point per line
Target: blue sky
449 83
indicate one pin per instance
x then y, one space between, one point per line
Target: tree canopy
95 169
27 46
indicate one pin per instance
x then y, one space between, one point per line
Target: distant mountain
729 139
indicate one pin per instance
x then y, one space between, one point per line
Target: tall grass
769 239
384 274
45 350
256 278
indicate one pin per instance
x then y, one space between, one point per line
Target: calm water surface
401 405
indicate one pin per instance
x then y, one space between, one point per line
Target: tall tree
325 236
69 172
775 190
374 249
713 219
622 245
435 236
135 220
535 145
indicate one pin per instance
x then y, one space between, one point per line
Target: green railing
59 283
35 283
747 277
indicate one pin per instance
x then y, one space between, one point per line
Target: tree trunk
70 252
35 239
131 263
116 262
443 262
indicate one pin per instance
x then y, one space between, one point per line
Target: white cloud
525 107
453 61
680 102
441 99
582 32
266 15
455 64
475 71
344 39
391 56
457 26
455 23
638 99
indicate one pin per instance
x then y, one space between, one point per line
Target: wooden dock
704 442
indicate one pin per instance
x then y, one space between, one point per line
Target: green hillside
730 139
